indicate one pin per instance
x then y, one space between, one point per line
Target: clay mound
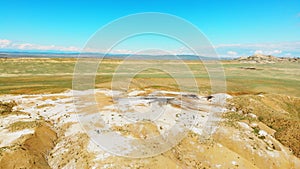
244 142
278 112
32 152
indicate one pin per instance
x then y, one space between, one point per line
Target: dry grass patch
21 125
278 112
6 108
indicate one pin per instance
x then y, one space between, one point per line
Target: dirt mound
71 152
279 112
288 133
32 152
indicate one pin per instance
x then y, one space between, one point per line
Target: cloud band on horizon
284 49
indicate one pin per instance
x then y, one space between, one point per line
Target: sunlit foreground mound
44 131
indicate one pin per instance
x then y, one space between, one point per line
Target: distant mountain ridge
111 56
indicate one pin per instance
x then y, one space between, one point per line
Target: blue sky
235 27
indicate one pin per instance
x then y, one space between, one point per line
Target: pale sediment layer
49 134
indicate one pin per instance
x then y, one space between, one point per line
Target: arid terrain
255 124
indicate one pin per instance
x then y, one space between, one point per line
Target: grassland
45 75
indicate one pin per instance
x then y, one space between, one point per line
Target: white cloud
232 53
276 52
7 44
23 46
112 51
276 49
228 50
268 52
143 51
288 55
264 46
228 45
4 43
258 52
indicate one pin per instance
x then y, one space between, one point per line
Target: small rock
253 125
262 133
252 115
244 125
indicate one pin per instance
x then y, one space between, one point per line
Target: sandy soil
43 131
30 151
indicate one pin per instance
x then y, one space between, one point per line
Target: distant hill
260 58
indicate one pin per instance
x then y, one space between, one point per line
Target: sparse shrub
256 130
7 108
260 118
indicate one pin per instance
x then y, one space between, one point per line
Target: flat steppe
51 75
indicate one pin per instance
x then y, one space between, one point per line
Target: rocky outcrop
260 58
